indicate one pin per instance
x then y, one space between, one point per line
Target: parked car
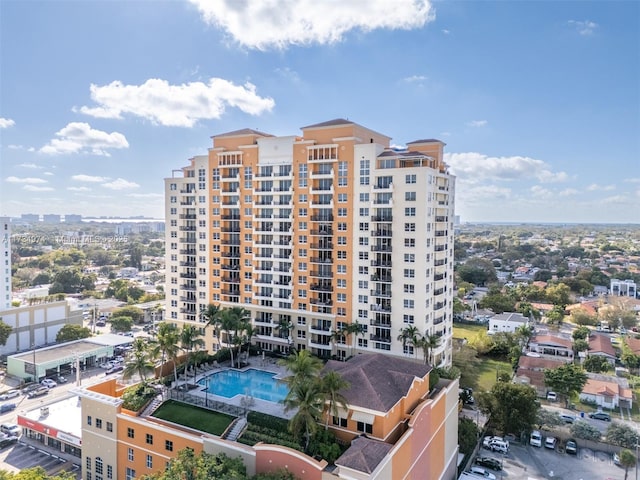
550 442
114 369
482 472
571 447
489 462
38 392
535 440
499 446
61 379
7 440
552 396
47 382
10 429
616 459
600 416
7 407
9 394
567 418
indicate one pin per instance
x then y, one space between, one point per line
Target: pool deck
242 401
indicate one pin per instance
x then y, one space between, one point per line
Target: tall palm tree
231 320
354 329
302 365
409 336
168 338
331 384
210 316
190 340
139 361
305 396
285 328
338 337
428 343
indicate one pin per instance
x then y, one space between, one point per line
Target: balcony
231 229
321 173
230 279
188 240
187 275
191 299
379 263
321 345
188 287
326 260
322 232
381 308
231 293
234 241
320 301
322 218
321 287
230 217
190 311
263 280
380 323
187 216
322 246
261 320
321 274
381 293
320 328
379 338
382 218
188 264
382 233
381 278
233 268
381 248
188 251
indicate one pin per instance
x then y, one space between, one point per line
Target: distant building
551 346
72 218
607 392
506 322
531 369
5 268
623 288
30 218
51 218
601 346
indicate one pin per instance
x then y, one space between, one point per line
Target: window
89 476
342 297
363 241
410 196
109 471
149 461
364 427
89 420
131 433
364 197
98 466
342 212
363 255
410 212
130 454
410 179
409 288
408 318
410 257
364 172
168 445
364 212
407 349
88 463
410 242
109 427
408 303
409 273
130 474
342 283
342 422
342 254
363 299
364 227
342 227
98 423
302 212
342 198
342 269
342 240
302 198
149 439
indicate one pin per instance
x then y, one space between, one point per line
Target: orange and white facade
311 233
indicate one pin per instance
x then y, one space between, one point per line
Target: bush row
255 437
269 421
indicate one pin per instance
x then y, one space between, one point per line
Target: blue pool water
256 383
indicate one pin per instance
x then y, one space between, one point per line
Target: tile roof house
506 322
607 392
601 345
531 371
552 346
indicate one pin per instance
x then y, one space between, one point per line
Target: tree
556 315
190 340
409 336
548 418
136 314
622 435
466 360
121 324
581 333
580 316
231 320
71 332
627 460
354 329
302 365
596 364
139 361
210 315
478 271
567 380
331 386
5 331
305 396
35 473
558 294
467 435
428 343
168 338
68 280
513 407
580 346
580 429
498 302
204 466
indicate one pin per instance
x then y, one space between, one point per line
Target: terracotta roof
539 283
377 381
536 379
634 344
395 153
601 344
535 363
329 123
243 131
609 389
551 340
542 306
364 454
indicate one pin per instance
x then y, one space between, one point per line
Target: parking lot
526 462
20 456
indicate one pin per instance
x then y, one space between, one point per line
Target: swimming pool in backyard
252 382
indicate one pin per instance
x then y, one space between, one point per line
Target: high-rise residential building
51 218
331 231
5 270
30 217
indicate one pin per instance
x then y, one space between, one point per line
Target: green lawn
487 372
467 331
194 417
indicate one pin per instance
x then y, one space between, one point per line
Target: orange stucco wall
273 457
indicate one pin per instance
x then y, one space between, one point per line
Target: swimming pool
256 383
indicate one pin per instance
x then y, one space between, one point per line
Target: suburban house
552 346
623 288
600 345
607 392
506 322
531 369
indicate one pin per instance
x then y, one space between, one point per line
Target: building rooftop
70 349
377 381
242 132
364 454
330 123
510 317
538 363
599 343
552 340
64 416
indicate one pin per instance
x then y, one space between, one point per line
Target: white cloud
445 134
540 192
288 74
79 137
477 123
88 178
145 195
120 184
6 122
28 165
567 192
15 147
474 194
415 79
35 188
175 105
445 31
79 189
29 180
47 173
263 24
594 187
476 167
583 27
632 180
616 200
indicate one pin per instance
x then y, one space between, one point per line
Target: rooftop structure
5 266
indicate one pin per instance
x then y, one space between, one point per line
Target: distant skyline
538 103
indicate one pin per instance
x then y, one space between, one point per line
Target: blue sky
538 102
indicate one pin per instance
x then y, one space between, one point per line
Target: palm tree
330 385
302 365
285 327
139 362
428 343
307 397
190 340
627 460
167 340
409 336
230 321
210 315
337 336
354 329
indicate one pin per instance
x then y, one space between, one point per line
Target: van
499 446
535 440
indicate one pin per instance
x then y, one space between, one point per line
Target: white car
551 396
10 429
482 472
106 365
10 394
535 440
550 442
47 382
